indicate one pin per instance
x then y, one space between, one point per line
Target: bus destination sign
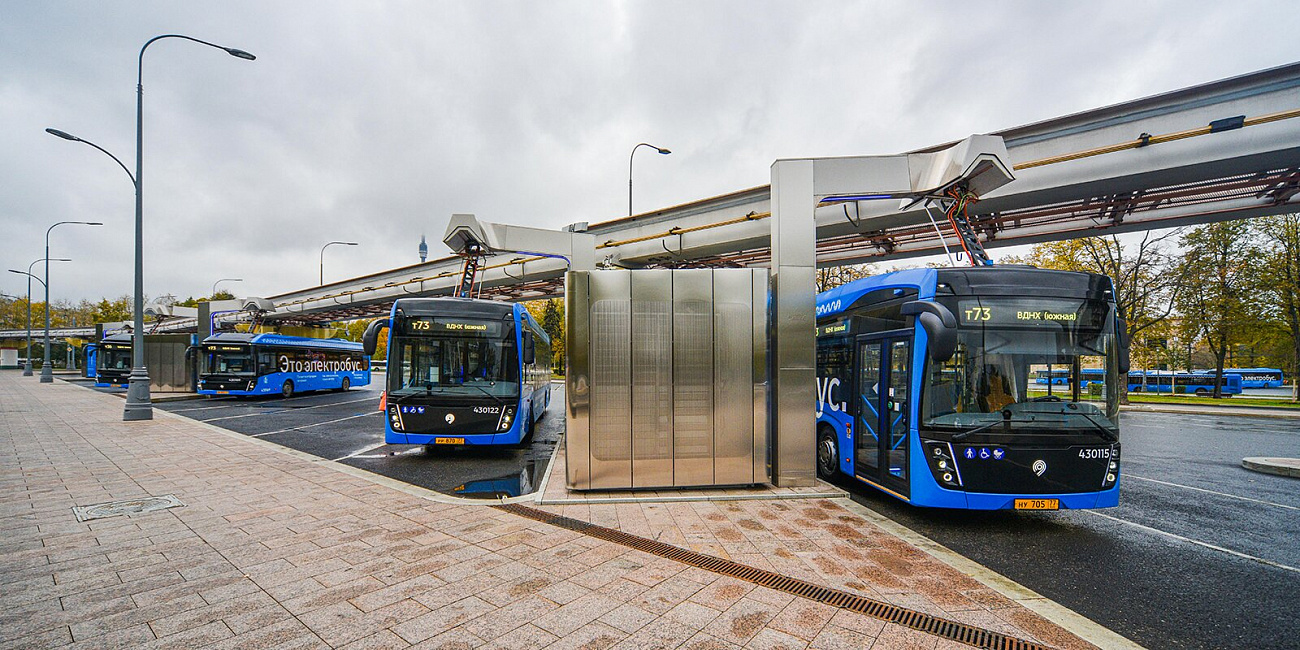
1019 312
430 325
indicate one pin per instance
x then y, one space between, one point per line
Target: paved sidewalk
274 549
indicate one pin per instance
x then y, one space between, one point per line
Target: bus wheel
1201 392
286 388
347 383
827 455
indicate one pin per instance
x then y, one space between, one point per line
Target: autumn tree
1278 282
1145 287
1217 272
833 276
550 315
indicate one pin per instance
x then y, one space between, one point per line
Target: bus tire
286 389
828 457
347 383
1201 392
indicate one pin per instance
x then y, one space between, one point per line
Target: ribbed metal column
794 294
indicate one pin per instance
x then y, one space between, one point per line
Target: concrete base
1279 466
553 491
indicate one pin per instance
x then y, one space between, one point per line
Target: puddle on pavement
510 485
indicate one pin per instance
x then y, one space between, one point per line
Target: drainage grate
960 632
126 507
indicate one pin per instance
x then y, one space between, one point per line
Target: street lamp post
47 371
662 151
27 367
322 257
214 284
138 405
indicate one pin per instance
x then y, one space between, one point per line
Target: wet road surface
1201 553
349 428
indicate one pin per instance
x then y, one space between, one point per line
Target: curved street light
322 257
214 284
27 367
138 405
661 150
47 370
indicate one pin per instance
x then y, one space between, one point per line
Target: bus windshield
228 360
1043 365
115 358
477 360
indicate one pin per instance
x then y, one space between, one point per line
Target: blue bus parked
1198 383
1255 377
462 371
923 383
113 360
266 364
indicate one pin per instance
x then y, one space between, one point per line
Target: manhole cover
126 507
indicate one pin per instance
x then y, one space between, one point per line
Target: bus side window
266 362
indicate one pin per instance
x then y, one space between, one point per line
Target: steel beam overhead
1223 150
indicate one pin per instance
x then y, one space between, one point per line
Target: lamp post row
27 366
138 405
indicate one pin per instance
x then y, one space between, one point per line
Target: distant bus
88 368
113 361
1156 381
1254 377
462 371
267 364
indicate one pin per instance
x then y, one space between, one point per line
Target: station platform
173 533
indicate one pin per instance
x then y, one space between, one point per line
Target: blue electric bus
232 363
1198 383
462 371
924 387
113 360
1254 377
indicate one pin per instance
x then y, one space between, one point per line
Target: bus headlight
395 417
507 418
1112 469
252 384
943 466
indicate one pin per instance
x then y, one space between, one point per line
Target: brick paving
273 550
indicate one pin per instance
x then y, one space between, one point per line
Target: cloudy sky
374 121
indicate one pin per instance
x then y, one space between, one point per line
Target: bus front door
880 447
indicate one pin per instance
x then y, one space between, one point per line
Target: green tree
550 315
833 276
111 311
1217 272
1145 286
1278 281
353 330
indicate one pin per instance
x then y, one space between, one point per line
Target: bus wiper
1102 430
1006 421
494 398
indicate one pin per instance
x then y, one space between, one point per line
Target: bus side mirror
530 349
940 327
1121 336
370 340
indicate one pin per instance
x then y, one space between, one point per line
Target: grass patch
1144 398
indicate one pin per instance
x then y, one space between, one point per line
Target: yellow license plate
1038 504
448 441
223 392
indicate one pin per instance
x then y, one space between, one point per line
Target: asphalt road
1201 553
348 427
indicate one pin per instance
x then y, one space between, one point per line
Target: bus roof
283 339
457 306
981 280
